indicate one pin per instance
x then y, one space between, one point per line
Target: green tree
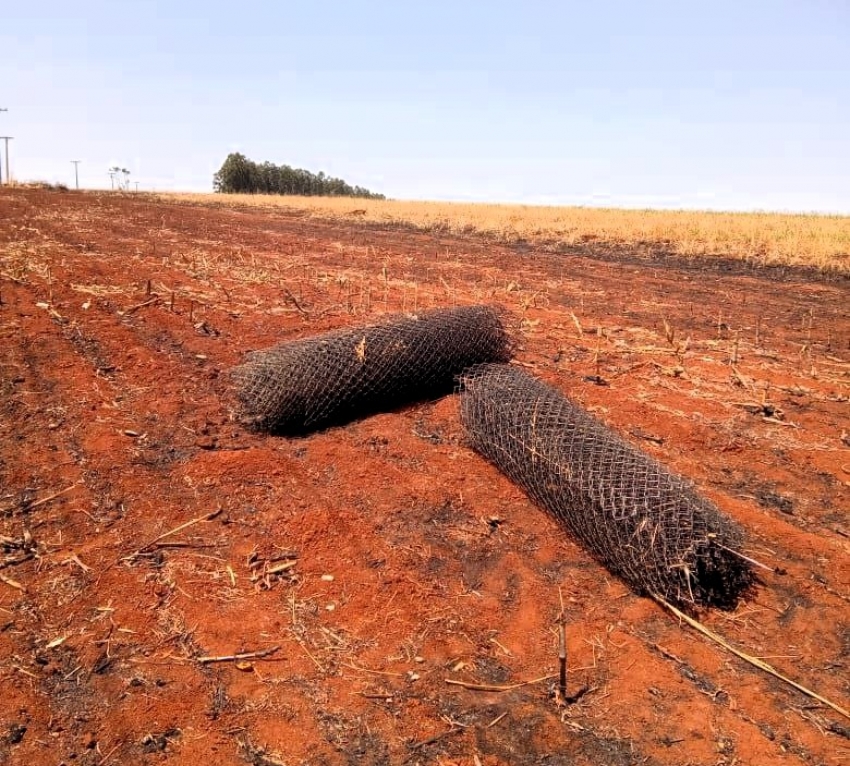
239 175
235 175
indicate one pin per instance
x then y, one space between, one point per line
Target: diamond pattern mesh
648 525
300 386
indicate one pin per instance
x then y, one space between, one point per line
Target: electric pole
76 164
7 157
8 167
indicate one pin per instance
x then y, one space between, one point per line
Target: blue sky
730 105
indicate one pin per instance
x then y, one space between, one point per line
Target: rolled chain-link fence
648 525
304 385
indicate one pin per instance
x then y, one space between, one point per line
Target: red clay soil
144 531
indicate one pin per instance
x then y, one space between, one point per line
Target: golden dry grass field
816 241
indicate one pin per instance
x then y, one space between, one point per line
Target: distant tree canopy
239 175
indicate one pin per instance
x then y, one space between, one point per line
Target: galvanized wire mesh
648 525
300 386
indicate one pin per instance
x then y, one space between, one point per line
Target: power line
76 164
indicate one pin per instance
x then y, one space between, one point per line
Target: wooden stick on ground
754 661
562 659
37 503
180 528
754 562
138 306
562 647
489 688
12 583
435 738
295 302
238 657
372 672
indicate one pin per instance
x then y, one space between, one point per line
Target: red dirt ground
414 560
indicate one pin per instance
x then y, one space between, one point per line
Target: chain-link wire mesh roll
303 385
648 525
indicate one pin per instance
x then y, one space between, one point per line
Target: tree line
239 175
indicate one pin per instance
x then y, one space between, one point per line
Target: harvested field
817 242
175 588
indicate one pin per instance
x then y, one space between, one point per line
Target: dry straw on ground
817 241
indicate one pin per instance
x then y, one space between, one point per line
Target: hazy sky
736 105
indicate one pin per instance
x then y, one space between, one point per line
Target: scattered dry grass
44 185
817 241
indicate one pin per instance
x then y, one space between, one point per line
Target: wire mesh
307 384
648 525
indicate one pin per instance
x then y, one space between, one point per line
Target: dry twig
490 688
180 528
138 306
435 738
37 503
258 655
754 661
12 583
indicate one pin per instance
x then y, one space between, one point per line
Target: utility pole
7 158
76 164
8 167
137 185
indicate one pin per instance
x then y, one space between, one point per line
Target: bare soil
382 558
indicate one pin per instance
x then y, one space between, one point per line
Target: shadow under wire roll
304 385
647 524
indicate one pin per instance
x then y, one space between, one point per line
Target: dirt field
373 563
819 242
